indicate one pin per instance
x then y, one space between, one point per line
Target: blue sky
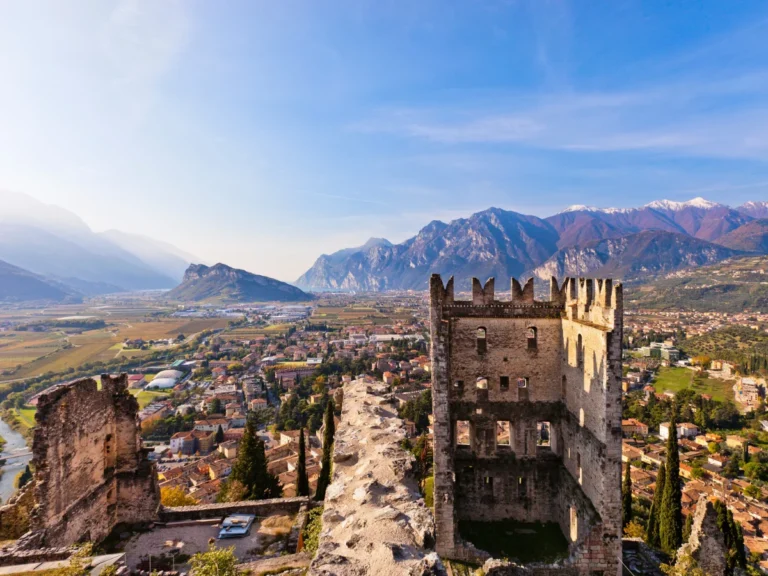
264 133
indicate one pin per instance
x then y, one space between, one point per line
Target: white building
684 430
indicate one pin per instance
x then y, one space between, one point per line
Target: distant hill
752 237
51 241
162 257
754 209
19 285
223 283
733 285
633 256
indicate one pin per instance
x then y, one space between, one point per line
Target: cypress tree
626 497
245 470
325 471
302 485
267 484
652 528
671 513
219 435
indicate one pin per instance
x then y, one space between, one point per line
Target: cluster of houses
702 470
228 379
202 477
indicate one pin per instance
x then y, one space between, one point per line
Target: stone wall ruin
527 416
91 472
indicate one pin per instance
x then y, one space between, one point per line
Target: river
14 444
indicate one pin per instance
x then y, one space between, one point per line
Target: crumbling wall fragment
706 544
91 472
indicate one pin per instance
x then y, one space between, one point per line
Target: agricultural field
358 314
674 379
249 332
41 352
25 347
26 416
146 397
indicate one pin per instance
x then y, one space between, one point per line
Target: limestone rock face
375 521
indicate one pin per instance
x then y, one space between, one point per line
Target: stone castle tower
527 416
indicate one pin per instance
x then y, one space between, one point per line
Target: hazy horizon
262 135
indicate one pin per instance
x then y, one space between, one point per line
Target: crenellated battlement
583 294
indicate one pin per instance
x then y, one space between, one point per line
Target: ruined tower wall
556 362
90 472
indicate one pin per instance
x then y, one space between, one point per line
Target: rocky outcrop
223 283
375 521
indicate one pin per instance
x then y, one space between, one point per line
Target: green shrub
311 533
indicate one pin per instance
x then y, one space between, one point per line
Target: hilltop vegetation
732 286
747 348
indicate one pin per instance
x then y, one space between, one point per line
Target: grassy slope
675 379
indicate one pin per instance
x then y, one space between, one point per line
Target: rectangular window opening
503 437
544 438
462 432
504 383
458 384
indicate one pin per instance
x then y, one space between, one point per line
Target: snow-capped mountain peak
672 205
584 208
580 208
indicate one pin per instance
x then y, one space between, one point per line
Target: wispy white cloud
694 115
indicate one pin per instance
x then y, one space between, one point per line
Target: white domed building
165 379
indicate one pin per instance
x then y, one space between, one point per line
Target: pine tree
626 497
302 485
325 470
219 435
652 528
671 514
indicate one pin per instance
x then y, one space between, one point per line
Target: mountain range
19 285
624 242
222 283
56 245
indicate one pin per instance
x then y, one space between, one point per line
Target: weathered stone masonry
503 371
91 471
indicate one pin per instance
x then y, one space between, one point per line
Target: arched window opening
580 351
574 517
482 383
482 340
530 334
